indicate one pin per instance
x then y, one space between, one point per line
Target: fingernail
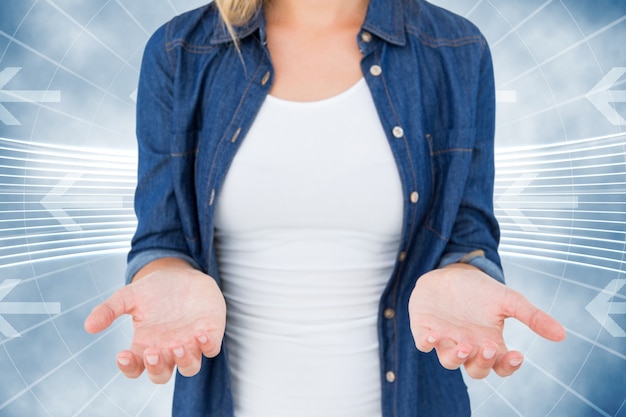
203 340
432 339
489 353
179 351
462 355
515 362
152 359
123 361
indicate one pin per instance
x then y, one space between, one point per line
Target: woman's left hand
459 311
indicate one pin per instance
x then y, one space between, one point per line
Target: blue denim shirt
431 77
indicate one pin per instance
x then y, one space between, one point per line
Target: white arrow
21 96
57 201
602 306
20 308
511 202
601 96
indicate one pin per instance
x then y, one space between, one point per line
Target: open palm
460 311
178 315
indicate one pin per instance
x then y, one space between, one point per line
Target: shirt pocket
451 156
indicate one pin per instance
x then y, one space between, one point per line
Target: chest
323 165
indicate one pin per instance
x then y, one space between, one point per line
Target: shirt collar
256 23
385 19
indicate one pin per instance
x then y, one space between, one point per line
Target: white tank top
308 226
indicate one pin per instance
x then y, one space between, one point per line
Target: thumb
103 315
537 320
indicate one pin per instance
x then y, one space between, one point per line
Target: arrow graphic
21 96
58 200
20 308
601 96
602 306
511 202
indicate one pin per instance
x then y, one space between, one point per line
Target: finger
508 363
452 355
187 360
209 346
538 321
103 315
157 366
425 339
480 365
130 364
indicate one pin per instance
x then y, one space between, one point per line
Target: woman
305 163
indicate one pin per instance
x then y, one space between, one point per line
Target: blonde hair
237 12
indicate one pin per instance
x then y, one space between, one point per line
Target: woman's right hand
179 314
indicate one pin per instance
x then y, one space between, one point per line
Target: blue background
68 74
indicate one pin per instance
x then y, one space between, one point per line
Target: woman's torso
307 230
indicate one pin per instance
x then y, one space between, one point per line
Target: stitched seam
398 121
409 225
451 150
438 42
436 233
224 140
411 221
189 47
441 42
168 28
396 344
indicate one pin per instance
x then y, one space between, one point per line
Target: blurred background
68 75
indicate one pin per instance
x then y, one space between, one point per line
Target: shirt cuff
475 258
144 258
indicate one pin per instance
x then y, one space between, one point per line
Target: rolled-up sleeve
476 234
159 228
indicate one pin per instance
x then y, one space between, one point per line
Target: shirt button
265 78
376 70
402 256
235 135
397 132
366 37
212 198
390 376
415 197
389 313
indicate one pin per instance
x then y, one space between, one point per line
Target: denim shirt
431 77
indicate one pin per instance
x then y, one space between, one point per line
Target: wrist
161 264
